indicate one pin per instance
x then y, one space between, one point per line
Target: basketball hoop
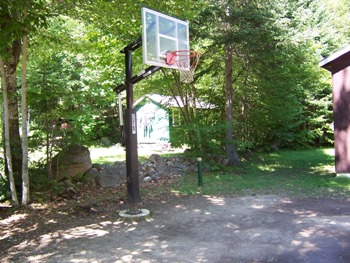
186 60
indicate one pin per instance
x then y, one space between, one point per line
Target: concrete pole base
142 214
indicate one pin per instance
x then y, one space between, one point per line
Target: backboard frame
162 34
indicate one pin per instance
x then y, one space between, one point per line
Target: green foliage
42 188
70 88
281 96
4 190
204 134
17 15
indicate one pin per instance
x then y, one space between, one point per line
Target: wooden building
339 65
152 119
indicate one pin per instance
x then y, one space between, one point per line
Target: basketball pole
150 24
132 176
130 124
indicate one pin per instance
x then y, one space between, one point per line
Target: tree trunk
7 136
9 76
231 151
25 173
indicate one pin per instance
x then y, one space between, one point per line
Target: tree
16 18
275 73
73 82
9 65
25 172
231 151
10 50
7 137
233 24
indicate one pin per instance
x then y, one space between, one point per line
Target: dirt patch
266 228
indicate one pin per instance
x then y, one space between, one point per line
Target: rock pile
156 168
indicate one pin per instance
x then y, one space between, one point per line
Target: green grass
299 173
108 159
114 158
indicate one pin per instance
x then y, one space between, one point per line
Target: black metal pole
128 82
132 174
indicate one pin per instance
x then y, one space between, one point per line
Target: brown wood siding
339 64
341 111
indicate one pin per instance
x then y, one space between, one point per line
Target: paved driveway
204 229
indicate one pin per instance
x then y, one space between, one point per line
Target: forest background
60 62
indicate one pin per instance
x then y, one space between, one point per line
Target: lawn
299 173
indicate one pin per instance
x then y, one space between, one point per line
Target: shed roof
170 102
337 61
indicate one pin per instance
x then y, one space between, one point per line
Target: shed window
176 117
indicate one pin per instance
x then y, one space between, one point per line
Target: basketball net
187 61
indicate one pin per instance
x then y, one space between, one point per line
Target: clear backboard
162 34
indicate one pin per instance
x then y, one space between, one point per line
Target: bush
4 190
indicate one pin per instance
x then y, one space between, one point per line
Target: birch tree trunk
8 73
25 174
7 135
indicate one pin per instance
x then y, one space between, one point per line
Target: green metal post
200 178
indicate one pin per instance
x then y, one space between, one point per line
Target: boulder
156 159
72 162
111 175
90 177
